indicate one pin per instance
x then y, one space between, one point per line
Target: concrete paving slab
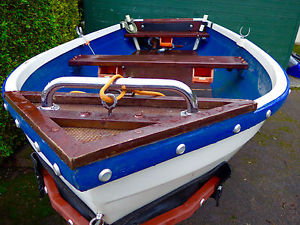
265 183
294 82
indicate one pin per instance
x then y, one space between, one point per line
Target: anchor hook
111 107
246 35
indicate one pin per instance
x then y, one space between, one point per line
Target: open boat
142 159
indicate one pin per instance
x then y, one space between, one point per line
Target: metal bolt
56 169
37 147
142 26
191 25
105 175
180 149
17 122
5 106
46 190
70 222
268 113
237 128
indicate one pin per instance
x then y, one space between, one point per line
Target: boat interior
224 78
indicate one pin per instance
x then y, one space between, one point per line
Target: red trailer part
171 217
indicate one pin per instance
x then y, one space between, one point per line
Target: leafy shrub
27 29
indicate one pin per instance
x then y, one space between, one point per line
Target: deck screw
180 149
56 169
237 128
37 147
5 106
17 122
268 113
105 175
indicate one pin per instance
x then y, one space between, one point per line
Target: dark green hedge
27 29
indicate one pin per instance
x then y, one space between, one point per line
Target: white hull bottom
121 197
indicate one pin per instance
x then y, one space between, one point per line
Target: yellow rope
148 93
107 99
82 92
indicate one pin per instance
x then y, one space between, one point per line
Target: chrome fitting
36 146
237 128
5 106
180 149
202 201
105 175
185 113
56 169
53 107
268 113
17 122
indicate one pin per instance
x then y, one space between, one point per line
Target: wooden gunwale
76 154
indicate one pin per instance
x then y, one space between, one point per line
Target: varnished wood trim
229 62
76 154
167 34
160 102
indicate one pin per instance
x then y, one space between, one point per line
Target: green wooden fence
274 23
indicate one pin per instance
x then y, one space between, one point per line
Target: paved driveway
265 183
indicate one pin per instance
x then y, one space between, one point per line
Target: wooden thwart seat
167 34
168 28
230 62
199 67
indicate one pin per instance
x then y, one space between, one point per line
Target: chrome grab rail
130 83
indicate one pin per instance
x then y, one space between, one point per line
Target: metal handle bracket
130 83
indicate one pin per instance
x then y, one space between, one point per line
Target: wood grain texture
150 60
167 34
142 130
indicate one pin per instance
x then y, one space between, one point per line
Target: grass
19 197
296 49
20 201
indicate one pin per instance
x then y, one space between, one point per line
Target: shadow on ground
263 189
